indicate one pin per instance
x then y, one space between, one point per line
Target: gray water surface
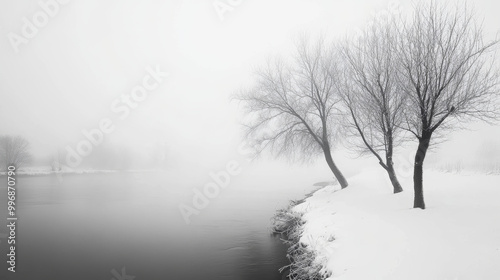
97 226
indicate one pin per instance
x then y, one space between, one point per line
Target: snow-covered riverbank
366 232
46 170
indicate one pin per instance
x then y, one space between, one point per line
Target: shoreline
289 223
367 232
29 173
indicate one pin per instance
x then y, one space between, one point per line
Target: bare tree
293 106
14 151
372 94
448 75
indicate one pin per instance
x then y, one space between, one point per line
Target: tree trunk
423 145
390 164
338 175
392 175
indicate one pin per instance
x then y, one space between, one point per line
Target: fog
90 53
139 162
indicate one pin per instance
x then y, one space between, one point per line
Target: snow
366 232
47 170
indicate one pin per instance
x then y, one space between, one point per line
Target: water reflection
88 225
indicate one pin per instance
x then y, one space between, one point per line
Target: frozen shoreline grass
303 265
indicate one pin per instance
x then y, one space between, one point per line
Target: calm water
87 226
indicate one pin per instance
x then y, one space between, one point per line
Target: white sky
65 78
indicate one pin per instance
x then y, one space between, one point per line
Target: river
115 225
